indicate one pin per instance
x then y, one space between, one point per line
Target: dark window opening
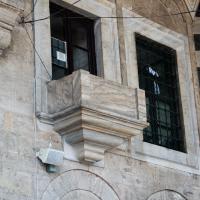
197 42
198 71
198 11
157 67
73 44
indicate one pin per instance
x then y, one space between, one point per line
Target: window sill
93 115
165 157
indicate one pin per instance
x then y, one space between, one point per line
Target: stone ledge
93 115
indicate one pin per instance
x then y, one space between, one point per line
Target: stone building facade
96 122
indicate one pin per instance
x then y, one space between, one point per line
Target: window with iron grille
73 45
157 67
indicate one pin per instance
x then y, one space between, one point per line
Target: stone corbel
9 12
93 115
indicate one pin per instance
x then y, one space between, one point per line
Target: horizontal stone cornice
76 119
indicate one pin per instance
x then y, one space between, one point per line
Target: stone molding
93 114
9 11
75 182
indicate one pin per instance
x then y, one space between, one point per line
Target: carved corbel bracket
9 12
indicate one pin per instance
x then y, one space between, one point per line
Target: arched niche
80 195
166 195
79 185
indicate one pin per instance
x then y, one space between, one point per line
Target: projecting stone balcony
93 114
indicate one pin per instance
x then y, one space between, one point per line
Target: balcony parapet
9 12
93 114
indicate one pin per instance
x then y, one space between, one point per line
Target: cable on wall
34 5
103 17
45 18
23 22
50 77
109 17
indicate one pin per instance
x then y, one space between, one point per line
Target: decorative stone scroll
9 11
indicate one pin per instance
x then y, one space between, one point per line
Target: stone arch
80 185
80 195
166 195
166 8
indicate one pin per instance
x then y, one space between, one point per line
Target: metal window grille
157 69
